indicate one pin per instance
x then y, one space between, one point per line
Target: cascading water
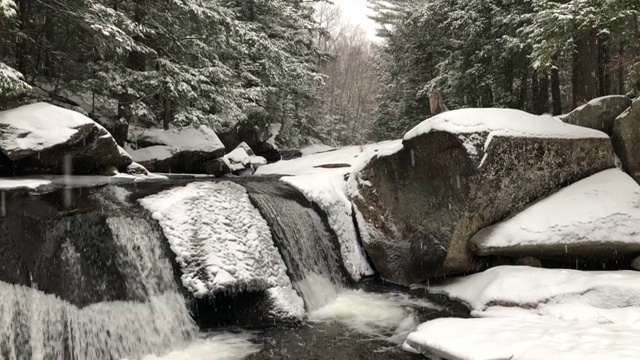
35 325
303 239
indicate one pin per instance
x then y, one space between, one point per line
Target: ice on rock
222 243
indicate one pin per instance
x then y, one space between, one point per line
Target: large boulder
599 113
45 139
626 139
184 150
457 173
596 218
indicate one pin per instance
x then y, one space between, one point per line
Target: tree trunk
604 78
585 68
166 119
541 98
436 103
556 94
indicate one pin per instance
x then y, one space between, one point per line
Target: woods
240 66
541 56
223 63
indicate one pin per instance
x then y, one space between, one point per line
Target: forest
246 64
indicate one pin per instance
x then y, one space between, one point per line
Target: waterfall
39 326
304 242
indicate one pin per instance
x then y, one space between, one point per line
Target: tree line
542 56
223 63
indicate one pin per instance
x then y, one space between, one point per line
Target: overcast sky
357 12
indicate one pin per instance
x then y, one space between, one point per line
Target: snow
221 242
186 139
328 191
238 159
602 208
37 127
158 152
531 338
499 122
532 313
311 164
31 184
316 148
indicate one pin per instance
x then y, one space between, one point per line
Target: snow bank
499 122
202 139
532 313
221 242
328 191
602 208
531 338
534 287
36 127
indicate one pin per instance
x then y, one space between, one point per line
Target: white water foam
389 316
218 347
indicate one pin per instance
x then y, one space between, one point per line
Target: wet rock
635 264
61 243
290 154
269 151
45 139
218 167
626 139
599 113
418 208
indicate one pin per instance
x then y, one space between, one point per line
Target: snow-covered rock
599 113
183 150
597 217
457 173
626 139
529 313
222 243
243 159
45 139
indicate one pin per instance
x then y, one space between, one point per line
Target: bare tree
347 99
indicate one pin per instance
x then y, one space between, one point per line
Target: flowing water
40 326
304 242
342 322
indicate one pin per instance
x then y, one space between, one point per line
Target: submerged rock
46 139
599 113
458 173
